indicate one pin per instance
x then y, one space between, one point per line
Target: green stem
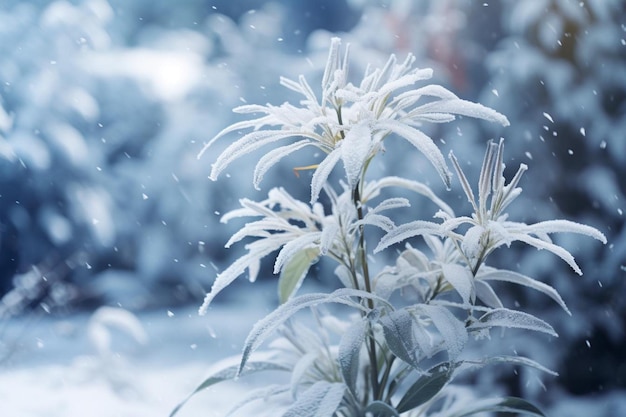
368 287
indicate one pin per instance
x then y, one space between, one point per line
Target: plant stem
356 198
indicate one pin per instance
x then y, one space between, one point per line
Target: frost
355 150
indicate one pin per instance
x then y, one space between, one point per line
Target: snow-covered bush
406 328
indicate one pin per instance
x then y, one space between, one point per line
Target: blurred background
105 104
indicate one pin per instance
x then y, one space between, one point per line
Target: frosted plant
389 354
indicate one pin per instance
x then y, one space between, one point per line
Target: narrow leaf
461 279
503 317
273 157
426 387
422 142
294 272
379 408
264 327
398 331
321 400
230 373
406 231
349 353
520 279
502 405
322 172
452 330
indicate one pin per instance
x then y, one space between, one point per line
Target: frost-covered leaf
355 150
452 330
391 203
426 387
349 353
321 400
273 157
302 366
264 327
378 220
248 261
487 295
373 188
294 272
516 278
519 360
382 409
229 373
398 330
461 279
407 231
422 142
264 393
462 108
551 247
295 246
322 172
248 143
501 405
503 317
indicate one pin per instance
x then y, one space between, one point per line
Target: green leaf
503 405
379 408
229 373
294 271
426 387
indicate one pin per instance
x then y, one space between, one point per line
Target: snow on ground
96 365
54 369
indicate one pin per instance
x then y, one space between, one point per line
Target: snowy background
109 227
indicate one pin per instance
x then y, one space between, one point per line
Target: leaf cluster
390 355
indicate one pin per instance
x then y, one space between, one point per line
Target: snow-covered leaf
264 394
273 157
503 317
398 330
249 260
322 172
373 188
422 142
229 373
486 294
391 203
462 108
321 400
406 231
302 366
452 330
461 279
264 327
355 149
296 245
378 220
519 360
349 353
520 279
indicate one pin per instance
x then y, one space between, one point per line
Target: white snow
48 367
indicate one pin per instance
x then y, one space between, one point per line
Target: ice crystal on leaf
490 227
349 122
